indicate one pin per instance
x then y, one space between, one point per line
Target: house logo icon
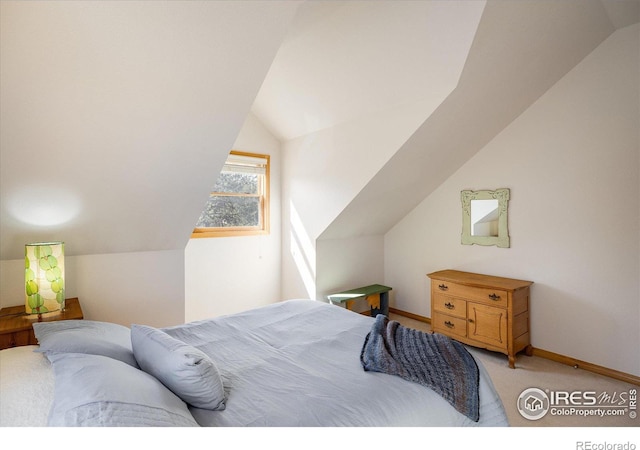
533 404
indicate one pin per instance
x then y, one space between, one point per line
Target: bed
297 363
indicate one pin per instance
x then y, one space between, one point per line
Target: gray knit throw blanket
430 359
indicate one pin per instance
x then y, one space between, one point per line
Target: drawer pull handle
443 287
448 305
449 324
494 297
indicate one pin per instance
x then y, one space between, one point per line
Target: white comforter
297 363
26 387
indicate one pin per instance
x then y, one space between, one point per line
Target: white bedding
294 363
26 387
297 363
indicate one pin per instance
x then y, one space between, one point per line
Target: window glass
238 203
230 212
239 183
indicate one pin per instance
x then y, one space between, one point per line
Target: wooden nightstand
15 324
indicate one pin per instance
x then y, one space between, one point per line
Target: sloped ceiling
343 60
520 50
114 115
326 73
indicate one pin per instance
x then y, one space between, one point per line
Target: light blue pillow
85 336
94 390
184 369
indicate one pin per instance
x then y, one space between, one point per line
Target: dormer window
239 201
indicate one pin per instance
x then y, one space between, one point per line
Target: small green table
377 296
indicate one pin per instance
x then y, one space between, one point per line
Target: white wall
322 172
231 274
125 288
576 147
349 264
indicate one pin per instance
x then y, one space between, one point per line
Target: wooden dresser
16 326
482 311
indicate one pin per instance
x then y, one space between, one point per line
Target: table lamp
44 277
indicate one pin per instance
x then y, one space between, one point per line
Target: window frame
263 228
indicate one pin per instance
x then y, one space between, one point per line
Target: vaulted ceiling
115 114
341 60
344 60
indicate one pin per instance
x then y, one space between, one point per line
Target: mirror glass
484 217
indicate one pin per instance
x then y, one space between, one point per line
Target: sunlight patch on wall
303 252
43 206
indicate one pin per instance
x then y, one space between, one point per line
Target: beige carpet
536 372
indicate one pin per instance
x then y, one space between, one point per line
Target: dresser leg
512 361
528 350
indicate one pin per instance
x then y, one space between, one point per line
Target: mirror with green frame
484 217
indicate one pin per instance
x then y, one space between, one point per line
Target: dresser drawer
482 310
449 305
449 324
494 297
